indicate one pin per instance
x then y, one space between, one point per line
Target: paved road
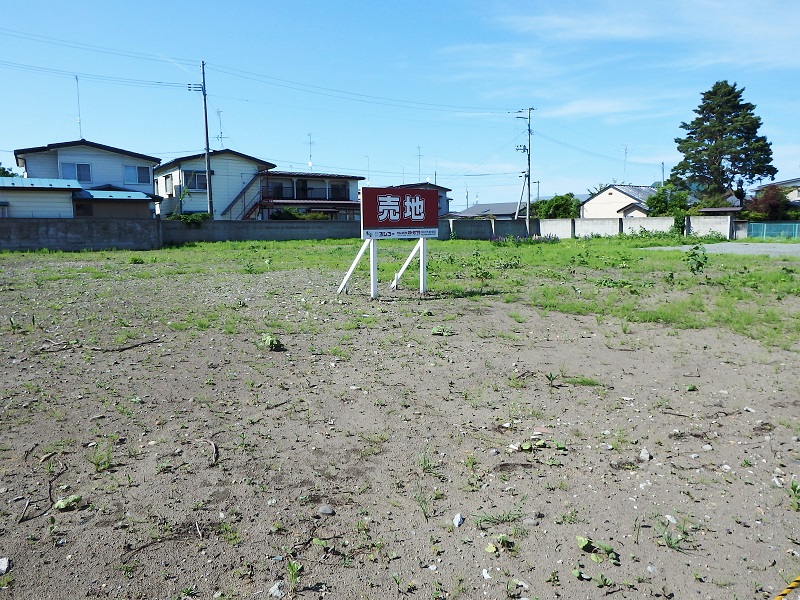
775 250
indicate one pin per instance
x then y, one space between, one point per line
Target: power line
91 48
92 77
352 96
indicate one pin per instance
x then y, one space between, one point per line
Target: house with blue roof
79 178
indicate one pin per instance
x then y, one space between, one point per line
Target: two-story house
182 181
444 201
281 192
81 179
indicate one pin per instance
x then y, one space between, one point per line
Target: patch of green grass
582 380
229 533
484 519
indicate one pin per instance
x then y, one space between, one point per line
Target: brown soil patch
202 458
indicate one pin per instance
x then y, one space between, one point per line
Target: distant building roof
638 205
496 209
638 193
115 195
19 155
176 162
722 210
784 183
423 185
38 183
307 175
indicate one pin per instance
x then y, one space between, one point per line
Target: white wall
606 205
108 168
45 204
42 164
231 174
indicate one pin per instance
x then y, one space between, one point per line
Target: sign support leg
373 269
423 259
417 248
347 277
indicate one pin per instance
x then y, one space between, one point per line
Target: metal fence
787 229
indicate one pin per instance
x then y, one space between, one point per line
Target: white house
444 201
790 186
182 181
615 201
93 165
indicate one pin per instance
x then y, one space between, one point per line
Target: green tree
668 202
6 172
722 151
770 205
564 206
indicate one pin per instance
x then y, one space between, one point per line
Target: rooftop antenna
625 163
78 87
220 137
310 164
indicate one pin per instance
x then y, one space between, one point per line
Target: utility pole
208 150
419 163
527 182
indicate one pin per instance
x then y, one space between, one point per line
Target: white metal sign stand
372 244
423 256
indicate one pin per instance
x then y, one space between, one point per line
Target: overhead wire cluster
302 87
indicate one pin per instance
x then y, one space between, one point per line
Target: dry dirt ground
178 456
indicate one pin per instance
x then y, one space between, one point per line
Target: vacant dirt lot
156 442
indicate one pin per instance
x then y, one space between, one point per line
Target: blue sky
402 92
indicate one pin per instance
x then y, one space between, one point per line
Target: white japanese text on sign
413 207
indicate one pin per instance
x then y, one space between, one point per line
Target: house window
137 174
195 180
80 171
339 191
83 209
3 210
168 189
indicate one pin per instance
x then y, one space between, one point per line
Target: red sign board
399 213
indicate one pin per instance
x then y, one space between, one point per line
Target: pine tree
722 151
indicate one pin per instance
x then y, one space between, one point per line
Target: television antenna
220 137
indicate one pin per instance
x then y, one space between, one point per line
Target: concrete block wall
515 228
651 224
472 229
176 232
562 228
73 235
708 224
602 227
149 234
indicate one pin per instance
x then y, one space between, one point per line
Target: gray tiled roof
640 193
496 208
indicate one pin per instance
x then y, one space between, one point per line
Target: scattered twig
61 346
197 527
24 510
280 403
214 449
29 450
676 414
128 347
